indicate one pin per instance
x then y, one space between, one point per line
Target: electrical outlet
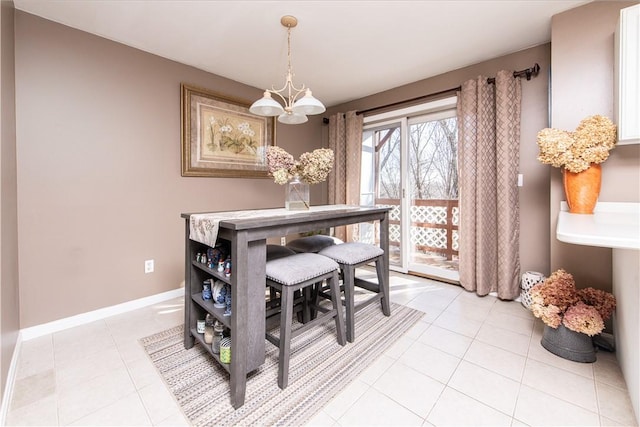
148 266
520 180
283 241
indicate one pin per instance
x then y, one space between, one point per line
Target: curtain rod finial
533 71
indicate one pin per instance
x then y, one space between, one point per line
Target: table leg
239 295
247 312
188 312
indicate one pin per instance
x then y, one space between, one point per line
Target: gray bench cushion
299 268
352 252
312 243
277 251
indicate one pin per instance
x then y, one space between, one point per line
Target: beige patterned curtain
489 147
345 139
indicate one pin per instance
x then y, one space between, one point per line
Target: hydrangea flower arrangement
312 167
557 301
590 143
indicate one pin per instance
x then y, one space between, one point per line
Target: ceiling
343 50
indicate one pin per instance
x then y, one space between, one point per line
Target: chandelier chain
288 83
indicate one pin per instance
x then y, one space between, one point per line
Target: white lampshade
266 106
308 105
292 118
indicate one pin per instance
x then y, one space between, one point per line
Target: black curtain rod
528 73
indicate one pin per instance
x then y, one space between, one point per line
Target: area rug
319 369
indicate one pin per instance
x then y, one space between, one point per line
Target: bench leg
337 307
285 337
383 286
348 272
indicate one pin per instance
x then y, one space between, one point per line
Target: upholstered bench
296 272
350 256
301 302
313 244
277 251
273 300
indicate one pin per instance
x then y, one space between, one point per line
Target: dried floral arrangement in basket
557 301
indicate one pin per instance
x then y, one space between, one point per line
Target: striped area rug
319 369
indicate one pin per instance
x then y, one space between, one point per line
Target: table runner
203 227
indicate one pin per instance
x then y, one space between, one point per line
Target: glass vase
296 194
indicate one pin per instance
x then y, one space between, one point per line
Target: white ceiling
342 50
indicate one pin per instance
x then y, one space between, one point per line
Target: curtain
345 139
489 154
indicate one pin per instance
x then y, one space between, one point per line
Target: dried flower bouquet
312 168
557 301
590 143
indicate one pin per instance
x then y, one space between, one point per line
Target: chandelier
296 108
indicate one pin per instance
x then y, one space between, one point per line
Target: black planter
568 344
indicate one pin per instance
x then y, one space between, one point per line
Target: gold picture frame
220 137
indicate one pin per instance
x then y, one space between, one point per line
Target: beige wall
9 306
582 56
98 146
534 195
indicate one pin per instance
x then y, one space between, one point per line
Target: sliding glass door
410 165
433 195
381 180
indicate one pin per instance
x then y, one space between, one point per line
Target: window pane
389 185
434 193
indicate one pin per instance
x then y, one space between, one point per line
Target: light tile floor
471 361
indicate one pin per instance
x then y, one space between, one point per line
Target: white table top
612 225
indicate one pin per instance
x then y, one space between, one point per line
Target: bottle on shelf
218 329
225 350
227 267
200 326
206 290
208 329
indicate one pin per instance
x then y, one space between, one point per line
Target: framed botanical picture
220 137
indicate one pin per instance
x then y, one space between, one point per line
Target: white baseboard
91 316
69 322
8 387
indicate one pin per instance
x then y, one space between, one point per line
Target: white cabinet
627 76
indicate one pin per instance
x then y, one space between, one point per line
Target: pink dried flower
556 300
558 289
583 318
601 300
549 314
279 163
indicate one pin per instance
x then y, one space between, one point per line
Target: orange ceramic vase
582 189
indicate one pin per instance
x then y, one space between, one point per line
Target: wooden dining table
246 233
